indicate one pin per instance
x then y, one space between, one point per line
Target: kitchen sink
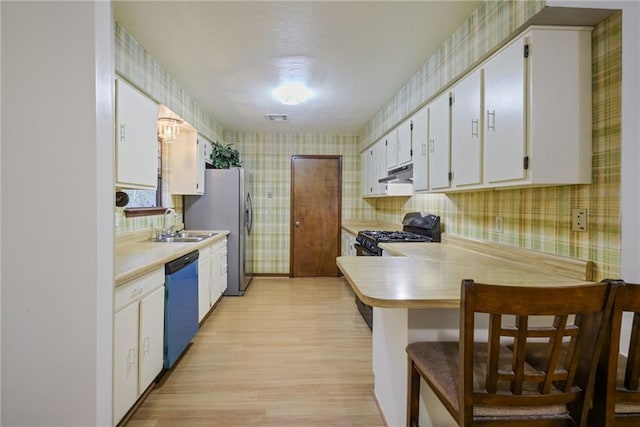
189 234
185 237
178 239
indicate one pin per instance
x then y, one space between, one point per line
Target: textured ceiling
355 56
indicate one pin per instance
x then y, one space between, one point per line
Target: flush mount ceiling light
168 128
292 93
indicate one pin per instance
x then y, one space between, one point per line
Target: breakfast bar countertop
431 276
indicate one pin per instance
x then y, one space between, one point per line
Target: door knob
297 224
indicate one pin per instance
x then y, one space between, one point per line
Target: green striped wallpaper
492 23
268 158
539 218
533 218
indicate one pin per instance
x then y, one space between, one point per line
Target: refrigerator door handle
249 213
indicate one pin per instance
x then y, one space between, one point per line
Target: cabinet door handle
432 147
122 127
146 344
491 120
474 128
424 149
131 358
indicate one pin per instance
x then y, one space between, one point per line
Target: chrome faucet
168 231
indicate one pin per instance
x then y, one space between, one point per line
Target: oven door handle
362 251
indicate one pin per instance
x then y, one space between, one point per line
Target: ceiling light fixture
168 128
292 93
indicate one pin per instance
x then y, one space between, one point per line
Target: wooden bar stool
617 397
490 383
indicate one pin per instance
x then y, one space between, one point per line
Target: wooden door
316 215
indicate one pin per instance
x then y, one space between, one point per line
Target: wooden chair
617 397
491 384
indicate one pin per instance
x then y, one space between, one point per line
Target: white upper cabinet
403 143
466 141
521 118
504 121
419 139
365 160
374 167
380 169
187 156
439 143
391 142
538 109
136 138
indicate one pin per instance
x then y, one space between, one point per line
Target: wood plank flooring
290 352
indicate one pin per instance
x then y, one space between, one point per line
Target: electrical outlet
579 220
499 224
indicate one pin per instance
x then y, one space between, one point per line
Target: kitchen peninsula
416 294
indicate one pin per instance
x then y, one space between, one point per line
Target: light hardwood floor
290 352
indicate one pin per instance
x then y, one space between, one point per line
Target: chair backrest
572 341
613 367
631 303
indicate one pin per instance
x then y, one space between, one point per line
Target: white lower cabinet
218 269
348 242
212 276
138 339
125 361
151 338
204 277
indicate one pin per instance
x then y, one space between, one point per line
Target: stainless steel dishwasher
180 306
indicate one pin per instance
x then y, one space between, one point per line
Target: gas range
416 227
370 239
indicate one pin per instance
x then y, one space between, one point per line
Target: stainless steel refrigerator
226 205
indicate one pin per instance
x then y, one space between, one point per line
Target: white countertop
136 254
431 276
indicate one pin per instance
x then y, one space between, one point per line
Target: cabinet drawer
136 289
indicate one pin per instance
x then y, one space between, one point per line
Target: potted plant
224 156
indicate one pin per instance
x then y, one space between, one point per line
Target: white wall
56 220
630 264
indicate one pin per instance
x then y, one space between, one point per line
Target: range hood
399 174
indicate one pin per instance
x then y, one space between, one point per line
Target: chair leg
413 394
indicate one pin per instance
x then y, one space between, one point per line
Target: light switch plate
579 220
